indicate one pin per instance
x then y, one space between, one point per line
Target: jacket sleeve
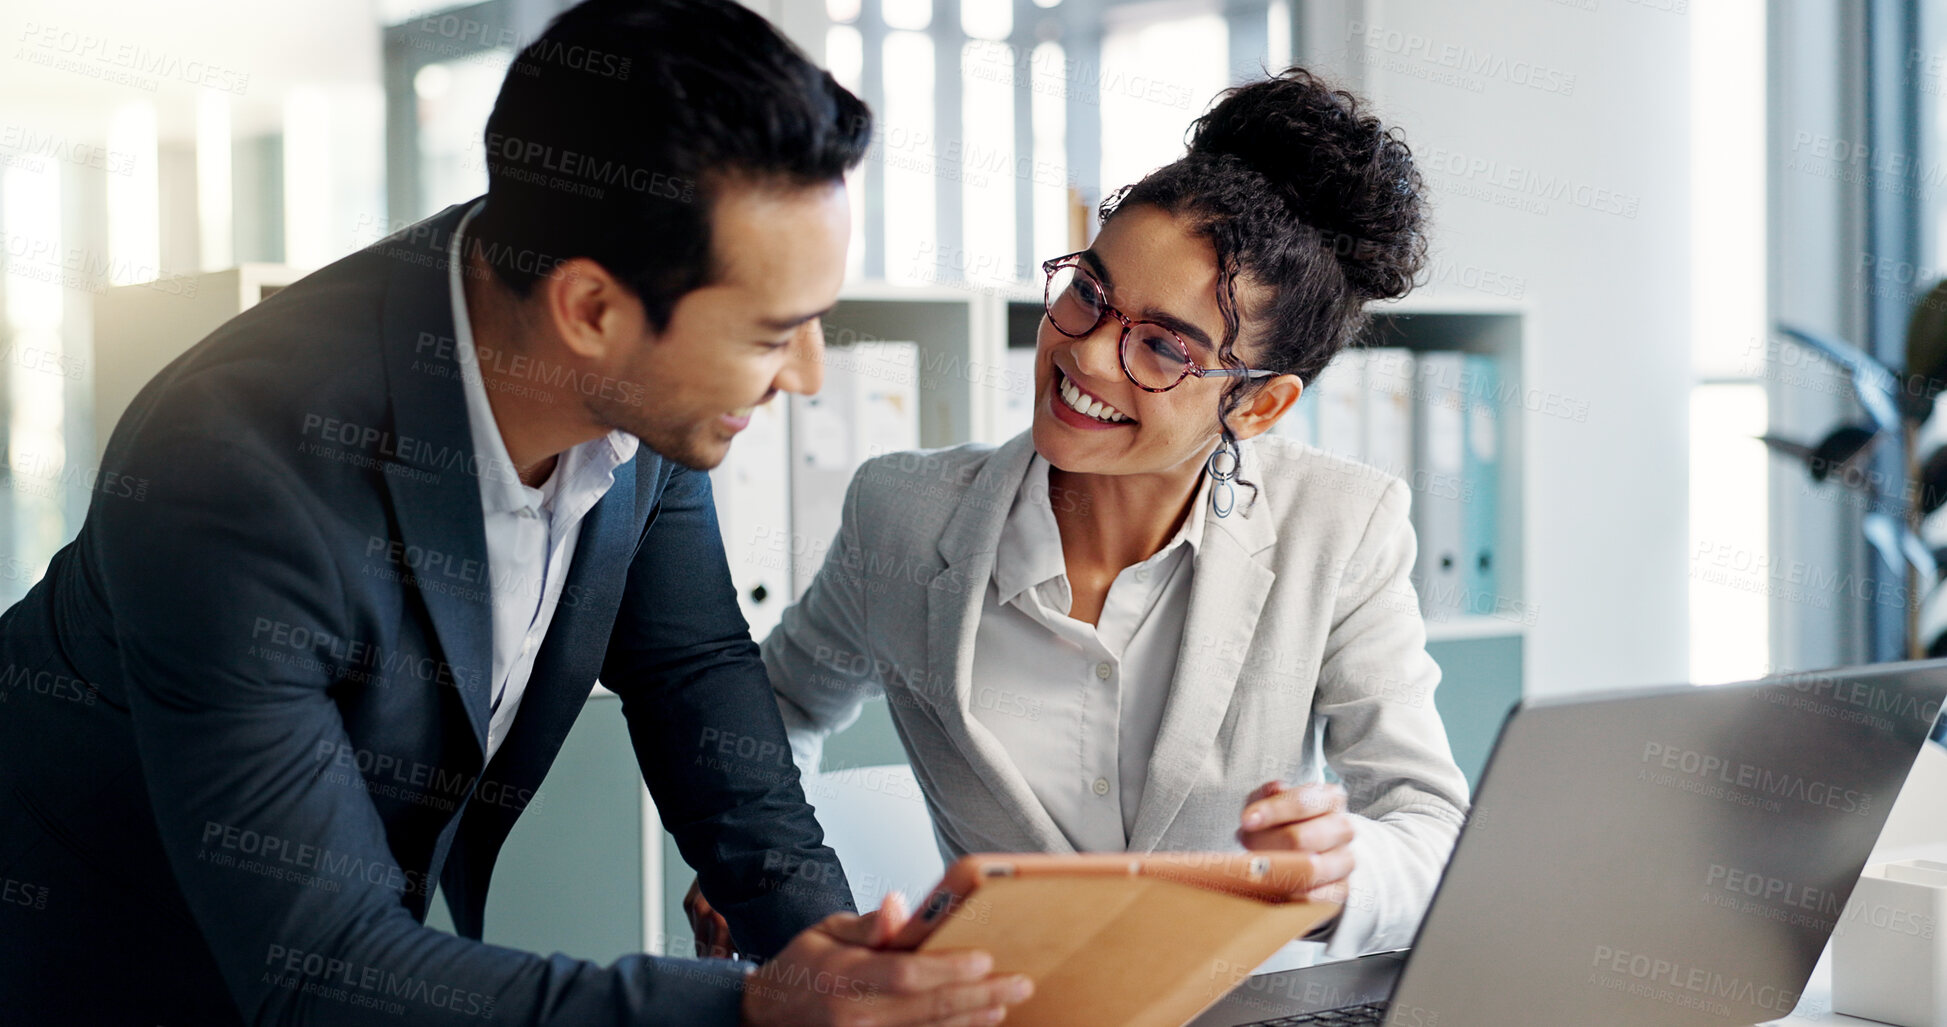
290 878
708 735
820 655
1385 740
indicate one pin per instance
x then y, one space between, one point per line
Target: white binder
1389 410
869 406
1438 484
1341 390
753 499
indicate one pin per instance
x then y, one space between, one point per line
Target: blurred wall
1554 136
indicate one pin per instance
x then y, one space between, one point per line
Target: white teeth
1088 406
743 411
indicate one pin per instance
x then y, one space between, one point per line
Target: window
1730 575
36 449
992 125
453 99
1156 77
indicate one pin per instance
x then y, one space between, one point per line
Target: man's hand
834 974
1309 818
711 930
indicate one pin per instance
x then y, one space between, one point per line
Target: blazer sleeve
820 655
1384 738
707 732
315 927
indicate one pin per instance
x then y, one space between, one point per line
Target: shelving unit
1483 658
1495 332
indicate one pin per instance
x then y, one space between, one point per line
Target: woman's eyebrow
1187 329
1179 326
1097 268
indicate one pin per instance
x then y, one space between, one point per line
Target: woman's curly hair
1304 192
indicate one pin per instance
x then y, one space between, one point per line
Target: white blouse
1077 705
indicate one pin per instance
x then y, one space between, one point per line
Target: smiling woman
1191 666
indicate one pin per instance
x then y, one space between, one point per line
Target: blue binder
1481 505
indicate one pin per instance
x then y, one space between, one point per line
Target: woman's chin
1068 450
1049 440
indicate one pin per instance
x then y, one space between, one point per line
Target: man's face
737 342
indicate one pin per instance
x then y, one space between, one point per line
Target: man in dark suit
393 522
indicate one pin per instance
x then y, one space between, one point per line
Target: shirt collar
1029 551
501 490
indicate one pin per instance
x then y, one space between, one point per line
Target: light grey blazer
1303 644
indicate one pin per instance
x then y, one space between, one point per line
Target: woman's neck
1112 521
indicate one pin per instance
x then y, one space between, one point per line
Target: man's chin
708 460
696 452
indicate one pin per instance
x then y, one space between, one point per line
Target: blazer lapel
953 605
437 497
1227 595
577 639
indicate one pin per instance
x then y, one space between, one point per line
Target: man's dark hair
615 131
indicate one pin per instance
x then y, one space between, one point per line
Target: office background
1627 195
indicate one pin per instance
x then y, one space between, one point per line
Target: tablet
1120 940
1265 876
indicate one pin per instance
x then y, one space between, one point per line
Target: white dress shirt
531 532
1077 705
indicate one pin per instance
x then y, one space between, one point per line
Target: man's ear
589 309
1262 409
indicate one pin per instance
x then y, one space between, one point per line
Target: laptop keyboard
1369 1015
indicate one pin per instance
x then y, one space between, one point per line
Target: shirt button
1142 574
528 512
1103 670
1101 786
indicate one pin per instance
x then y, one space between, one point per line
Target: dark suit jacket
243 716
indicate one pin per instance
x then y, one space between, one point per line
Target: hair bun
1336 167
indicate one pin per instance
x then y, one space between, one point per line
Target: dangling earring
1222 467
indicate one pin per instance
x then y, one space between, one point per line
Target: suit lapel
953 606
577 640
436 499
1227 596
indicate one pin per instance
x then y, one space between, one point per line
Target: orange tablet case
1119 939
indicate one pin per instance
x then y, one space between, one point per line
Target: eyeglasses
1159 359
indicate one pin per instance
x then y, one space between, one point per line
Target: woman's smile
1075 405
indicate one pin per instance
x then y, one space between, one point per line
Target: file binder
1389 410
1481 521
869 406
1439 484
753 499
1341 405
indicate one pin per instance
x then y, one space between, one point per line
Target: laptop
1675 856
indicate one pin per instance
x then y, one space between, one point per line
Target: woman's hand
1309 818
711 929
